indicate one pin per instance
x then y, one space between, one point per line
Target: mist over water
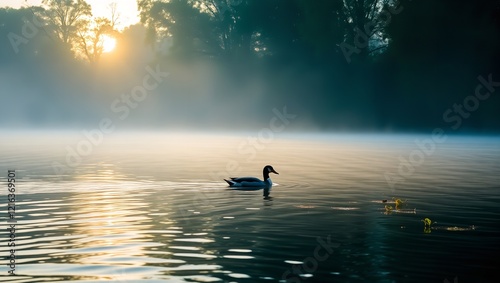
152 207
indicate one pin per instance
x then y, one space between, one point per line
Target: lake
152 207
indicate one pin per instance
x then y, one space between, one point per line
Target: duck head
269 169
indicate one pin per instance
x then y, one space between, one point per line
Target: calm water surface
153 208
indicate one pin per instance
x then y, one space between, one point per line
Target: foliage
91 38
73 24
67 18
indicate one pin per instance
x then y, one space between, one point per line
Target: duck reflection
266 194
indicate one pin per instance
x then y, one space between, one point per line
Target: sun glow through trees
108 44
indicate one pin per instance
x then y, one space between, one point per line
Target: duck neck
266 174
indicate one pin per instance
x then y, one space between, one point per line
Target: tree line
361 64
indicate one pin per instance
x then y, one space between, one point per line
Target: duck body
252 182
248 182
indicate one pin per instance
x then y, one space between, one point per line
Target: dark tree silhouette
67 17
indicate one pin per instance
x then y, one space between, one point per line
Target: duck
252 181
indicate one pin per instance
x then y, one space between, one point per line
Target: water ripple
107 223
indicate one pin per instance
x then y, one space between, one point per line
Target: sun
108 43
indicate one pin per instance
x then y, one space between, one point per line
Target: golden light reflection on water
113 236
124 228
102 171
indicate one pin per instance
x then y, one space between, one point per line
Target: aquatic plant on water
399 202
427 225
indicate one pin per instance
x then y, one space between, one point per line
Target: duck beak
275 172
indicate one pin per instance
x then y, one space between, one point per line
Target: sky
100 8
